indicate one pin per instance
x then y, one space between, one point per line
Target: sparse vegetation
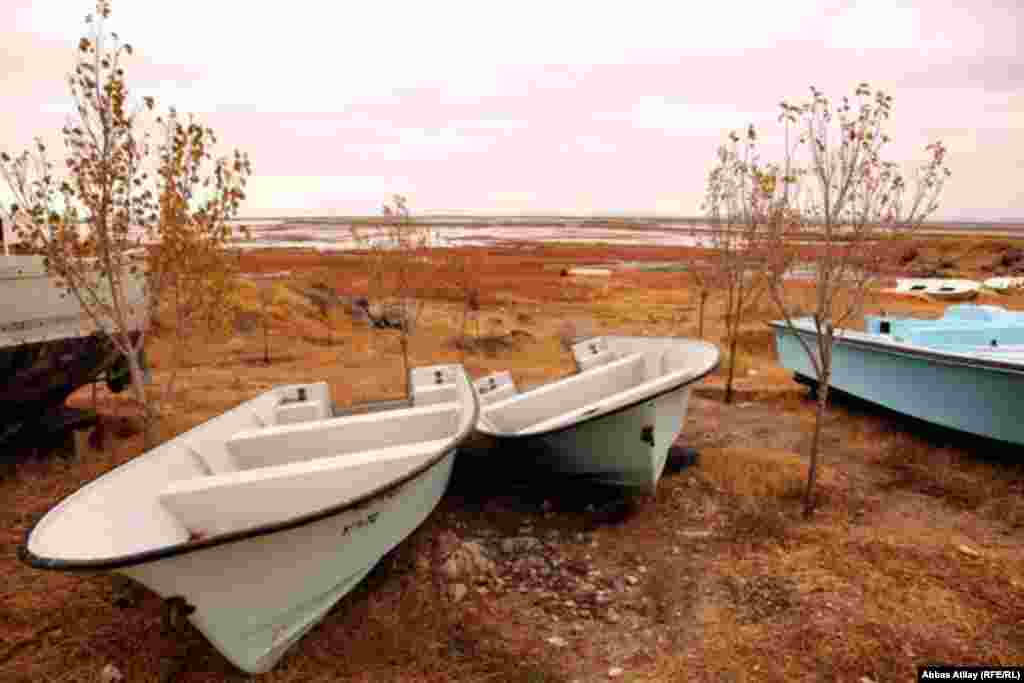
121 185
831 182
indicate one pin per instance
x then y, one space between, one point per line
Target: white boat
938 288
613 421
262 518
1002 284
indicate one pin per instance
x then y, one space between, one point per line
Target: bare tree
464 268
395 262
119 187
735 262
832 188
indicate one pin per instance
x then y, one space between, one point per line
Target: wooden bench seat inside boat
233 501
568 395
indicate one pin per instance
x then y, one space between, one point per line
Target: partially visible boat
964 370
938 288
48 346
1003 284
262 518
613 421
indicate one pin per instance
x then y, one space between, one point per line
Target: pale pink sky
539 107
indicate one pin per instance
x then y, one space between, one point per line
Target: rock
557 641
1011 257
445 544
632 580
612 617
969 551
457 591
519 544
467 561
867 679
695 534
111 674
615 672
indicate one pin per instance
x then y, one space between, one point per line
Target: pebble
457 591
111 674
695 534
518 544
632 580
969 551
557 641
615 672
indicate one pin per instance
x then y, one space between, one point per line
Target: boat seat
567 395
208 442
290 407
495 387
282 444
234 501
592 353
627 397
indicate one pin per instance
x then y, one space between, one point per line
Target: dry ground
914 556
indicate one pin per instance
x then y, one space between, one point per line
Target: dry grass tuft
754 472
992 489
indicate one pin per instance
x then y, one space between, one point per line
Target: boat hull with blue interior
964 371
262 518
612 422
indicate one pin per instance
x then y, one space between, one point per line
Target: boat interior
989 331
279 456
612 372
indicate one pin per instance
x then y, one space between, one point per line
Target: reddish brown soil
914 555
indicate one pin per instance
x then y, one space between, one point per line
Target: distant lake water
330 236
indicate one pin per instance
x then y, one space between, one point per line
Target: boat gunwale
629 406
914 351
186 547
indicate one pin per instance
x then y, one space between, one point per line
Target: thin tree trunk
700 323
462 332
139 385
266 340
732 365
812 471
405 361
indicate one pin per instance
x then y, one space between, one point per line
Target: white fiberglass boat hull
264 517
255 598
613 422
616 450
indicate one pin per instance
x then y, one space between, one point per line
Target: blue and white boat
964 370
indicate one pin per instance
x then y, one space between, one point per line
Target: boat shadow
512 477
